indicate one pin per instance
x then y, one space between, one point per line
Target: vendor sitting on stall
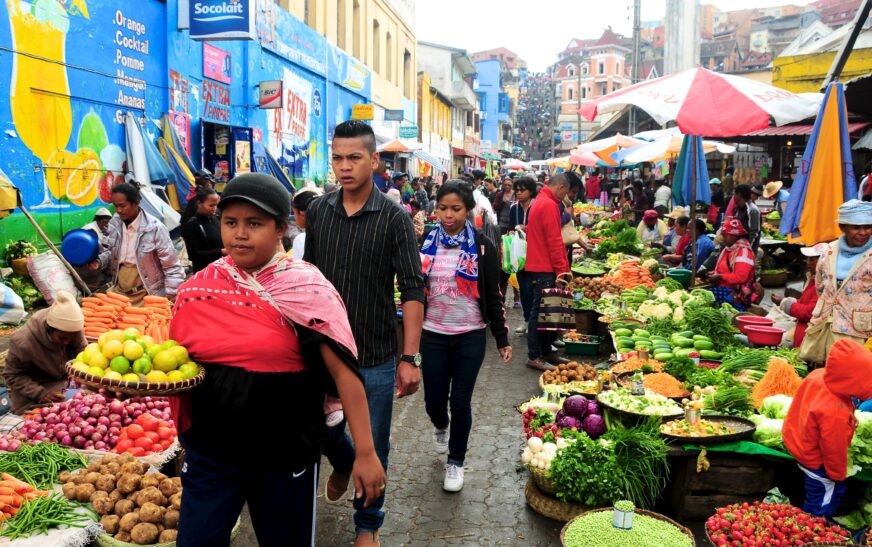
733 276
651 229
820 424
680 241
39 350
802 309
669 240
704 247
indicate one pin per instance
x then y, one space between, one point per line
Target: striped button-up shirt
361 255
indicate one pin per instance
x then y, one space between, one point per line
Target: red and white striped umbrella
710 104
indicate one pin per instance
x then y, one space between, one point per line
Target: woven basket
550 507
542 482
105 540
684 530
135 388
774 279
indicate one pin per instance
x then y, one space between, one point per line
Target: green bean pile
39 464
38 515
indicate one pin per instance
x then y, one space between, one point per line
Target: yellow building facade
434 110
380 33
806 73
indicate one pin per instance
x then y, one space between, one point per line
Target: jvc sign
221 19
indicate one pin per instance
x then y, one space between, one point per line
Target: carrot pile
635 363
631 274
780 379
664 384
13 493
107 311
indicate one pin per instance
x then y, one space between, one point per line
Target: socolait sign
221 19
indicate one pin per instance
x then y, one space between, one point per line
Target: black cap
205 173
260 190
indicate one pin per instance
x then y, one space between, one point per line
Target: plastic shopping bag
514 255
12 307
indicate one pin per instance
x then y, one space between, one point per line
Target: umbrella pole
693 208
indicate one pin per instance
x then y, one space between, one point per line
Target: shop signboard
216 63
182 123
362 112
288 37
216 102
75 73
409 132
221 19
394 116
270 92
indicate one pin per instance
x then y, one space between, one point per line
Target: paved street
490 510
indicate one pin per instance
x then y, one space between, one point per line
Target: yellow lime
113 348
112 375
115 334
99 360
147 340
142 365
180 353
101 340
132 350
155 376
80 358
131 377
175 376
96 371
165 361
131 333
170 343
120 364
81 367
189 369
153 350
90 350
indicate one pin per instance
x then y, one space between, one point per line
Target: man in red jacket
820 423
592 186
546 258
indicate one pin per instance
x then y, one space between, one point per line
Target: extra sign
216 102
270 94
221 19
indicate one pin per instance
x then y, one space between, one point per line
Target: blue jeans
538 342
339 453
281 501
450 367
526 294
380 384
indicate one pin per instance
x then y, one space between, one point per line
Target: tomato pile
765 524
147 435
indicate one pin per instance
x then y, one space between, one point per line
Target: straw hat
771 189
678 212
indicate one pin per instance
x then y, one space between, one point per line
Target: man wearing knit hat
39 350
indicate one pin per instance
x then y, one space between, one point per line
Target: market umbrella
514 164
563 161
826 178
691 181
139 169
272 166
708 103
184 179
663 148
171 135
394 146
587 159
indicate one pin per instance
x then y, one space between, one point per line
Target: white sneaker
522 329
453 478
440 437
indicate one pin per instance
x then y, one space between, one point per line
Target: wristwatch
414 360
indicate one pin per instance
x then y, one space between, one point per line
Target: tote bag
556 311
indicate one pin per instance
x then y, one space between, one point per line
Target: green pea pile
596 530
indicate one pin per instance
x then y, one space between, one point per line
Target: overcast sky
538 29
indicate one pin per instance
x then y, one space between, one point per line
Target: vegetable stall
672 414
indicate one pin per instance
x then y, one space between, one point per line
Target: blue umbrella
273 167
826 178
691 182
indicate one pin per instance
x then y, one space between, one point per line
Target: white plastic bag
12 308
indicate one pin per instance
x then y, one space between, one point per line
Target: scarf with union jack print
466 272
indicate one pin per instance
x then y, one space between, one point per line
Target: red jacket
545 250
592 188
820 423
802 310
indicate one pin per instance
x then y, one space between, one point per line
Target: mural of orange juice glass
39 91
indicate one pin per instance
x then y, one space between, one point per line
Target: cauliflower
678 315
661 292
650 263
676 298
655 311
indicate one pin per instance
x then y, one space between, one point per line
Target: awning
800 130
460 152
865 142
437 163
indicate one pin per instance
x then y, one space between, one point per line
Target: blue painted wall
489 85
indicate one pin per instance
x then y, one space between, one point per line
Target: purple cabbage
576 406
594 425
559 416
593 407
569 422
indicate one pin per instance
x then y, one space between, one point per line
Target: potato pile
135 507
594 287
569 372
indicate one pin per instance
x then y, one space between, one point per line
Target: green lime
120 364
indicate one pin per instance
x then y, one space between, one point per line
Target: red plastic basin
764 336
747 320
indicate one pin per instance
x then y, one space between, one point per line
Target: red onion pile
88 421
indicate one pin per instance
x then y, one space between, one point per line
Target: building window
569 93
602 68
584 93
389 57
407 74
341 23
375 61
604 89
584 69
571 70
617 68
355 30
